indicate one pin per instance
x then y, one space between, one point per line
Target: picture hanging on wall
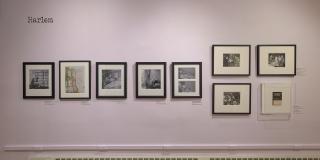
75 79
231 60
186 80
276 60
111 80
150 79
276 98
231 98
38 80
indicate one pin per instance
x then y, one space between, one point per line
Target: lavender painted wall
141 30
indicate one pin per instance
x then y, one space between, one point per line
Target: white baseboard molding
21 148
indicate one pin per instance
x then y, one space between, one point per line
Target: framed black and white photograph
276 60
276 98
111 80
186 79
75 79
38 80
231 60
151 80
231 98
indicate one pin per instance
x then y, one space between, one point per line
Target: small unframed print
277 59
39 79
111 79
187 86
276 98
231 60
231 98
74 79
187 73
151 79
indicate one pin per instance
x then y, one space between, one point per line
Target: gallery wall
156 31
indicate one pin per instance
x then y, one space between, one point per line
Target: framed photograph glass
276 98
75 79
111 80
231 98
276 60
38 80
186 80
231 60
151 79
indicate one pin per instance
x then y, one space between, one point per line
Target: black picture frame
230 113
230 45
164 67
88 97
258 48
98 94
173 79
24 69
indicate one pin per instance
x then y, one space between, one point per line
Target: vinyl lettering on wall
31 20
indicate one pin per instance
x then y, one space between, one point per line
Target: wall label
40 20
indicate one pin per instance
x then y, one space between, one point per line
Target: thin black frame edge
172 79
274 75
125 80
230 75
52 64
74 98
213 100
165 79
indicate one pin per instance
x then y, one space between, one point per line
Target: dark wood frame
125 78
281 45
173 79
237 113
52 76
230 45
164 83
75 98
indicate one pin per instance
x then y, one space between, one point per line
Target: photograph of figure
111 79
277 59
74 79
231 98
276 98
231 60
186 73
39 79
151 79
187 86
